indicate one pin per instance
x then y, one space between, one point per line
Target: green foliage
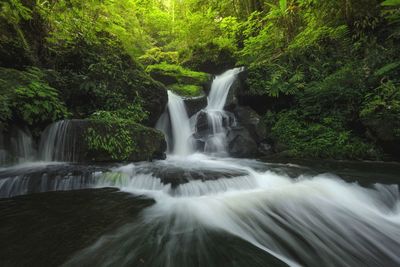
155 56
31 100
133 113
170 74
387 68
186 89
113 135
303 138
383 102
14 11
5 110
335 63
118 143
338 93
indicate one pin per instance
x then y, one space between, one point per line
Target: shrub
32 101
325 139
115 140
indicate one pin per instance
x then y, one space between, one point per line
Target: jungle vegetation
326 74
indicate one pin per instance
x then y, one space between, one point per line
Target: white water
58 142
23 146
220 89
180 125
218 119
310 220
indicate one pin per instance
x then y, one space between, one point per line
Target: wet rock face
383 133
195 104
249 140
155 98
241 144
249 119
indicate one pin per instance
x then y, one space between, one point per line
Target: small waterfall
164 125
180 125
17 146
23 146
208 128
219 120
220 89
59 142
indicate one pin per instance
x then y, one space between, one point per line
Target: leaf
391 3
385 69
283 5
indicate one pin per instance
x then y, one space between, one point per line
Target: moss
175 74
186 89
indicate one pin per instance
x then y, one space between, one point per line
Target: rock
231 99
202 126
249 119
265 149
88 141
169 74
241 144
155 98
195 104
383 132
211 58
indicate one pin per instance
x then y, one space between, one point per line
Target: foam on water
310 220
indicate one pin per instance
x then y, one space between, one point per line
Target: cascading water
315 220
178 128
179 124
58 142
218 118
220 89
18 148
23 147
213 211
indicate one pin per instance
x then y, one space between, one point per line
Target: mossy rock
170 74
187 90
97 141
140 143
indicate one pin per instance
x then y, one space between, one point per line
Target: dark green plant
111 131
29 98
303 138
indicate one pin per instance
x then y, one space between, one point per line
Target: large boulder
96 141
195 104
202 126
170 74
155 98
241 144
249 119
384 133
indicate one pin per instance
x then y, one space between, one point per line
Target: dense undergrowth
324 74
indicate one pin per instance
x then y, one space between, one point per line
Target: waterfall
59 142
17 147
180 126
218 119
214 120
23 146
220 89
